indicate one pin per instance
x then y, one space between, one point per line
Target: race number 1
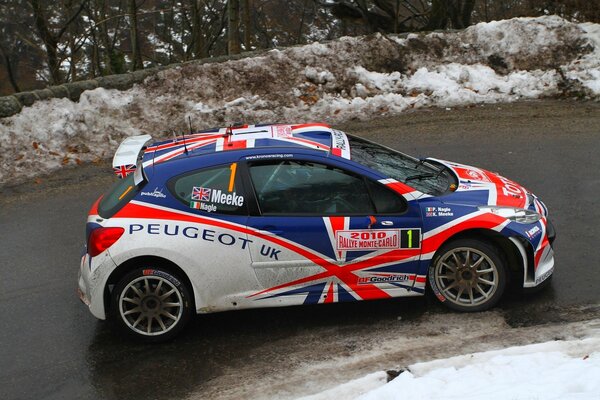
410 238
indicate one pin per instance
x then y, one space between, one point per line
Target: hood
478 186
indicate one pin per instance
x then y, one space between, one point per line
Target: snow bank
357 77
552 370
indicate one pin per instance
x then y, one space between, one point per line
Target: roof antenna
185 150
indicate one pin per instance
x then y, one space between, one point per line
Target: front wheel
152 304
468 275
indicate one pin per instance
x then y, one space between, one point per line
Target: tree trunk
247 20
233 27
72 60
9 69
467 12
438 16
197 43
136 55
104 40
50 43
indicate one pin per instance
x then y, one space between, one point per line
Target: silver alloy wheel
151 305
466 276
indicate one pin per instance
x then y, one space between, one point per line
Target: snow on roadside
551 370
353 77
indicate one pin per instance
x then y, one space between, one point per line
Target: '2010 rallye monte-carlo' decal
378 239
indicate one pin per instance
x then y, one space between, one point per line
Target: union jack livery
276 215
123 170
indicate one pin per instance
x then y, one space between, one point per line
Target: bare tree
197 47
51 38
8 63
136 54
247 22
233 27
381 15
450 13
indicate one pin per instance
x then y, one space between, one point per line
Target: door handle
270 231
387 223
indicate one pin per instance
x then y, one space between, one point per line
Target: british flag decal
123 170
200 194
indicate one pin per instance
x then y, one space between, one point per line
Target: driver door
329 234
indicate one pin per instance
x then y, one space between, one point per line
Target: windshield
419 174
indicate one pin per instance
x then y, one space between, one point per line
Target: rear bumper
93 274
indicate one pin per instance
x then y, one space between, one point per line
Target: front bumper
543 258
550 231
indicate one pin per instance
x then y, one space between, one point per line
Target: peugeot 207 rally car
278 215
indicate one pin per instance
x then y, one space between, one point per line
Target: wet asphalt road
52 348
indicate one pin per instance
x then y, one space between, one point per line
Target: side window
306 188
386 201
119 194
215 190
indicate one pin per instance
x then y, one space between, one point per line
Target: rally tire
468 275
151 304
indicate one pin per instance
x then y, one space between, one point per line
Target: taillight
102 238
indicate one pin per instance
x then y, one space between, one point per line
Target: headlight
519 215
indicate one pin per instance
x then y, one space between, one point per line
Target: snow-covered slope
551 370
348 78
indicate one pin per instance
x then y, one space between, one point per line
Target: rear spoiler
125 160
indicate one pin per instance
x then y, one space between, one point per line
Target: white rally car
277 215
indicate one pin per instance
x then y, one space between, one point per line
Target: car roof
317 137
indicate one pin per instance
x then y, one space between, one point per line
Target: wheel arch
137 262
518 267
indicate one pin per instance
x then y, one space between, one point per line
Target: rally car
278 215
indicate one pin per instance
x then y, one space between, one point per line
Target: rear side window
215 190
119 194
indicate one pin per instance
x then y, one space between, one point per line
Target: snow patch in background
352 77
552 370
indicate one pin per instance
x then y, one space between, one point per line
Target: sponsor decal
439 212
434 287
283 131
510 188
262 156
544 276
269 251
374 279
339 144
161 274
339 140
191 232
470 174
377 239
476 175
533 232
155 193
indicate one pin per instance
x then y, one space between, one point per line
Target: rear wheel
468 275
152 304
